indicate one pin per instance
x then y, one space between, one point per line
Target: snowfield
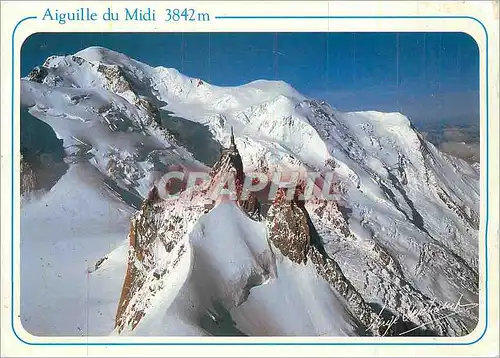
404 231
64 233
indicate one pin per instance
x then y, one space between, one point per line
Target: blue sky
431 77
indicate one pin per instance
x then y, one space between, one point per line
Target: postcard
250 178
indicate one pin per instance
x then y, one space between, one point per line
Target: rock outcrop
288 229
28 177
292 232
154 234
231 164
38 74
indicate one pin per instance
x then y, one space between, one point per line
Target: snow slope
404 230
64 232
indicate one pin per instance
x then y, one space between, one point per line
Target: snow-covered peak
171 85
110 57
102 54
169 82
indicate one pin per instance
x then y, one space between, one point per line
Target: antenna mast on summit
232 145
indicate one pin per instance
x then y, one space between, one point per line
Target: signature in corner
415 313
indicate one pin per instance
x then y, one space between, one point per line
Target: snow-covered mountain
99 129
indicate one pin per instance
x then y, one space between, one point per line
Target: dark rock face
38 74
28 177
42 153
77 59
154 226
252 207
288 229
193 136
335 216
230 162
116 80
142 237
150 108
292 232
